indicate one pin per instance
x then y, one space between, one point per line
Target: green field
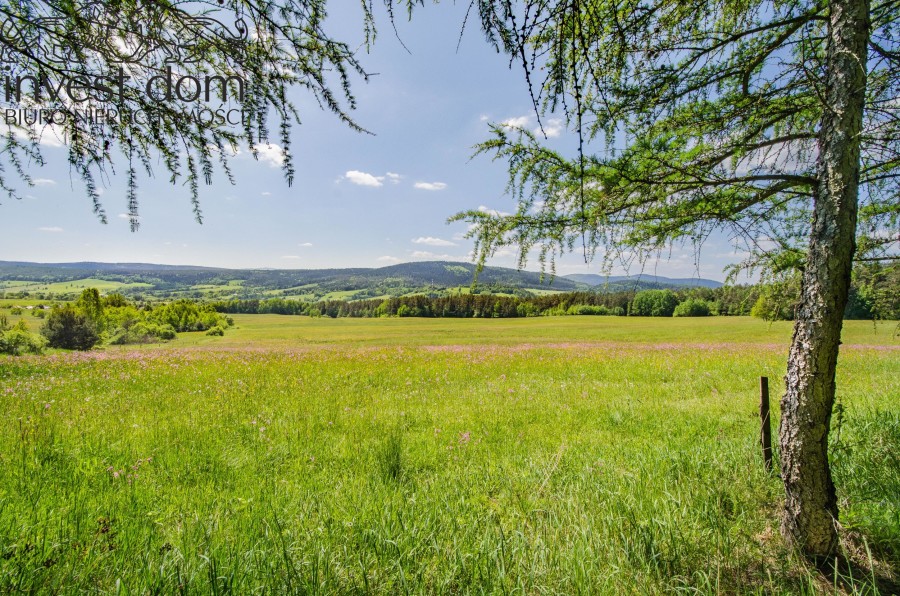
555 455
71 287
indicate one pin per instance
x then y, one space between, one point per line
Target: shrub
777 300
654 303
184 315
115 300
142 332
216 331
587 309
19 340
693 307
70 329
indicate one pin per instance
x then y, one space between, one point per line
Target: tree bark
810 509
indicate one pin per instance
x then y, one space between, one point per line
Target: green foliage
70 328
115 300
777 300
587 309
17 340
875 293
184 315
714 112
142 332
693 307
91 305
654 303
150 325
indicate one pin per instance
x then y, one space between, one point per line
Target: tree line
874 295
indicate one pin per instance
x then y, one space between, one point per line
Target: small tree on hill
70 328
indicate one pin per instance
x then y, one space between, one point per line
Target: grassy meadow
557 455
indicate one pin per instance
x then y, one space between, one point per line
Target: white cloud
430 185
388 259
126 216
517 122
424 254
493 212
44 182
552 128
292 257
50 229
483 118
229 150
266 194
305 244
364 179
270 153
395 178
430 241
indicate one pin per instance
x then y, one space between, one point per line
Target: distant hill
426 272
644 281
432 277
167 281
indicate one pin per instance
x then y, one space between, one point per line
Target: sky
358 200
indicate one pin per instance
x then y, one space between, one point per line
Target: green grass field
558 455
70 287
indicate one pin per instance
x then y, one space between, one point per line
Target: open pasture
554 455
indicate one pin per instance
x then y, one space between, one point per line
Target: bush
777 300
587 309
216 331
19 340
693 307
185 315
142 332
654 303
70 329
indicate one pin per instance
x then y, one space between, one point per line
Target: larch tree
777 122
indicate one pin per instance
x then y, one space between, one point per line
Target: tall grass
480 468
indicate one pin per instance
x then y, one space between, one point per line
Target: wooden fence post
765 433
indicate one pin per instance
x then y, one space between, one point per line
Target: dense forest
874 296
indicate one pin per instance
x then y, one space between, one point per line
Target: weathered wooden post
765 432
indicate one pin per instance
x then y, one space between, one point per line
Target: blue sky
358 200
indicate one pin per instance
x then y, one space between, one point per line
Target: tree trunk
810 510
